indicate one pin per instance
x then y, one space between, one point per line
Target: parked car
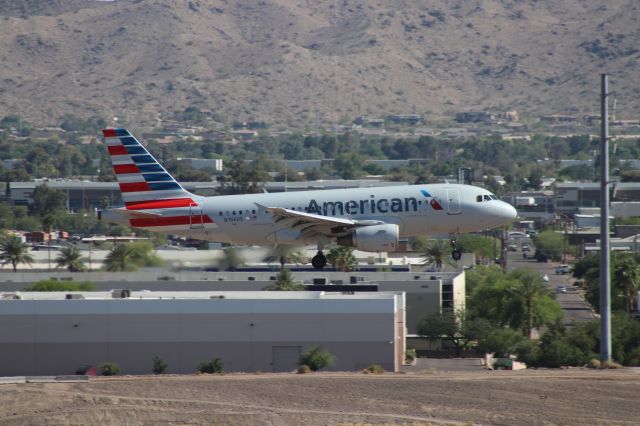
563 269
512 247
561 289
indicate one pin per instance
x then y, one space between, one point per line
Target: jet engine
372 238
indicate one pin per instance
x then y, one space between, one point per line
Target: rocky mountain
303 62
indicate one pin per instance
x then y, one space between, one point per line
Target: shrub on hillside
316 359
109 369
215 365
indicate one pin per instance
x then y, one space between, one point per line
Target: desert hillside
300 62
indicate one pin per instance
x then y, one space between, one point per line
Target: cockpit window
487 198
479 198
493 197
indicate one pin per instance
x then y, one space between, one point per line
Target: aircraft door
453 201
195 217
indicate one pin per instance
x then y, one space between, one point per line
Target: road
574 307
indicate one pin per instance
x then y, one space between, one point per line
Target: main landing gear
456 254
319 261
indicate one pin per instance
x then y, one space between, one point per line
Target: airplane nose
508 212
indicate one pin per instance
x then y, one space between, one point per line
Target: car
526 248
563 269
512 247
561 289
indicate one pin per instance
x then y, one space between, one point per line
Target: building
570 196
426 292
58 333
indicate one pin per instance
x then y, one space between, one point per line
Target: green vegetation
14 252
71 259
550 243
342 259
285 282
131 257
482 246
159 366
55 285
316 359
109 369
436 252
212 366
625 280
374 369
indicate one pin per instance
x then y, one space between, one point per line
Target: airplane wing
311 224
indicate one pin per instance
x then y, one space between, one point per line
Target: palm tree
342 259
232 258
530 287
284 253
120 258
285 282
70 258
13 251
438 252
627 274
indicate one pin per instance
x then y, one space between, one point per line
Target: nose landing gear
456 254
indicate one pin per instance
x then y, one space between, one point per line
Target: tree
70 258
514 300
47 200
438 252
159 366
627 276
479 245
284 253
341 258
285 282
316 359
13 251
453 326
131 256
550 243
232 258
530 287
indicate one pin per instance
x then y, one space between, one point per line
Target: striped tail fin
144 183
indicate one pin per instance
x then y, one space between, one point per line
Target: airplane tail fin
144 183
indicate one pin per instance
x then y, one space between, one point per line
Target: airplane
368 219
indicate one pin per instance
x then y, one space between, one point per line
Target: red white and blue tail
152 197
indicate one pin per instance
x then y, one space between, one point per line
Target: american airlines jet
369 219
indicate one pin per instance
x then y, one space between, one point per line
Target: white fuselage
448 209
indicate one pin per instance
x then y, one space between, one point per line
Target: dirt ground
537 397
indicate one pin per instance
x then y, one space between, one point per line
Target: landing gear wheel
319 261
456 254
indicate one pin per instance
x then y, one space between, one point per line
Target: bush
612 365
109 369
594 363
304 369
211 367
316 359
410 356
373 369
55 285
159 366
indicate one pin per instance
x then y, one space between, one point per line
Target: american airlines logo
372 205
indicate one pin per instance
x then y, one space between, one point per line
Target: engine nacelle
372 238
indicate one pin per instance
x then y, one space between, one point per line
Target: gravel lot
572 397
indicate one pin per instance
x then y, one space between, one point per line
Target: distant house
215 164
558 119
475 117
245 135
411 119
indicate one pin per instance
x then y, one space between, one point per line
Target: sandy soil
544 397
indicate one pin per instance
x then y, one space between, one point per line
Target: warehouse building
425 292
58 333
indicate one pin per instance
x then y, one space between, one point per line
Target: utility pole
605 275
